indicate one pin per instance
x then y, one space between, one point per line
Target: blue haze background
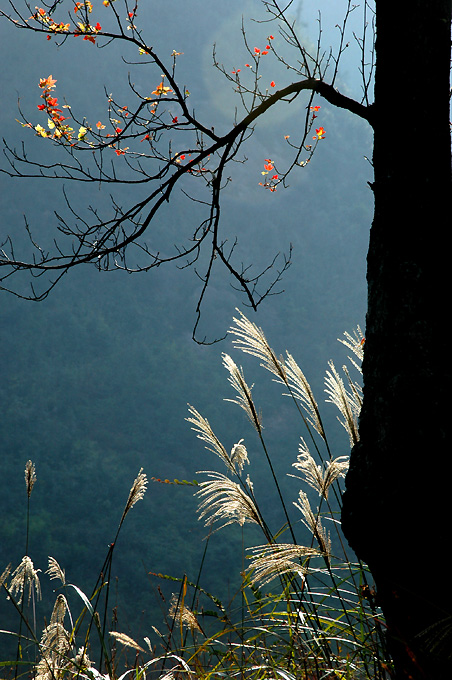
96 379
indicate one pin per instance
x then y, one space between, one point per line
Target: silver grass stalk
251 340
55 645
225 500
345 401
301 390
25 575
182 614
136 493
48 668
356 393
5 574
244 398
126 641
204 432
355 342
55 571
30 477
274 560
55 640
313 523
59 609
316 476
55 662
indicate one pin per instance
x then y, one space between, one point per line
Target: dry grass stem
48 668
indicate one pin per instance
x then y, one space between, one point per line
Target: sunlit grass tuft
305 609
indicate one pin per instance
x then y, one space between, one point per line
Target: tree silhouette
395 506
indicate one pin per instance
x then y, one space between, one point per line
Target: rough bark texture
397 511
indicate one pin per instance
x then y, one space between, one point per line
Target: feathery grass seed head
239 456
244 398
355 342
318 478
81 660
301 390
137 491
25 575
55 640
348 403
313 523
204 432
271 561
126 640
59 609
251 340
5 574
225 500
55 644
182 614
55 571
30 477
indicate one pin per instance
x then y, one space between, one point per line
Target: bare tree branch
136 147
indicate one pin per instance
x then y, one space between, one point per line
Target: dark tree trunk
397 511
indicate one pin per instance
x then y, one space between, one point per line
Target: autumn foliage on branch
156 139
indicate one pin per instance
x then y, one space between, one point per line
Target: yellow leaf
41 131
82 133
